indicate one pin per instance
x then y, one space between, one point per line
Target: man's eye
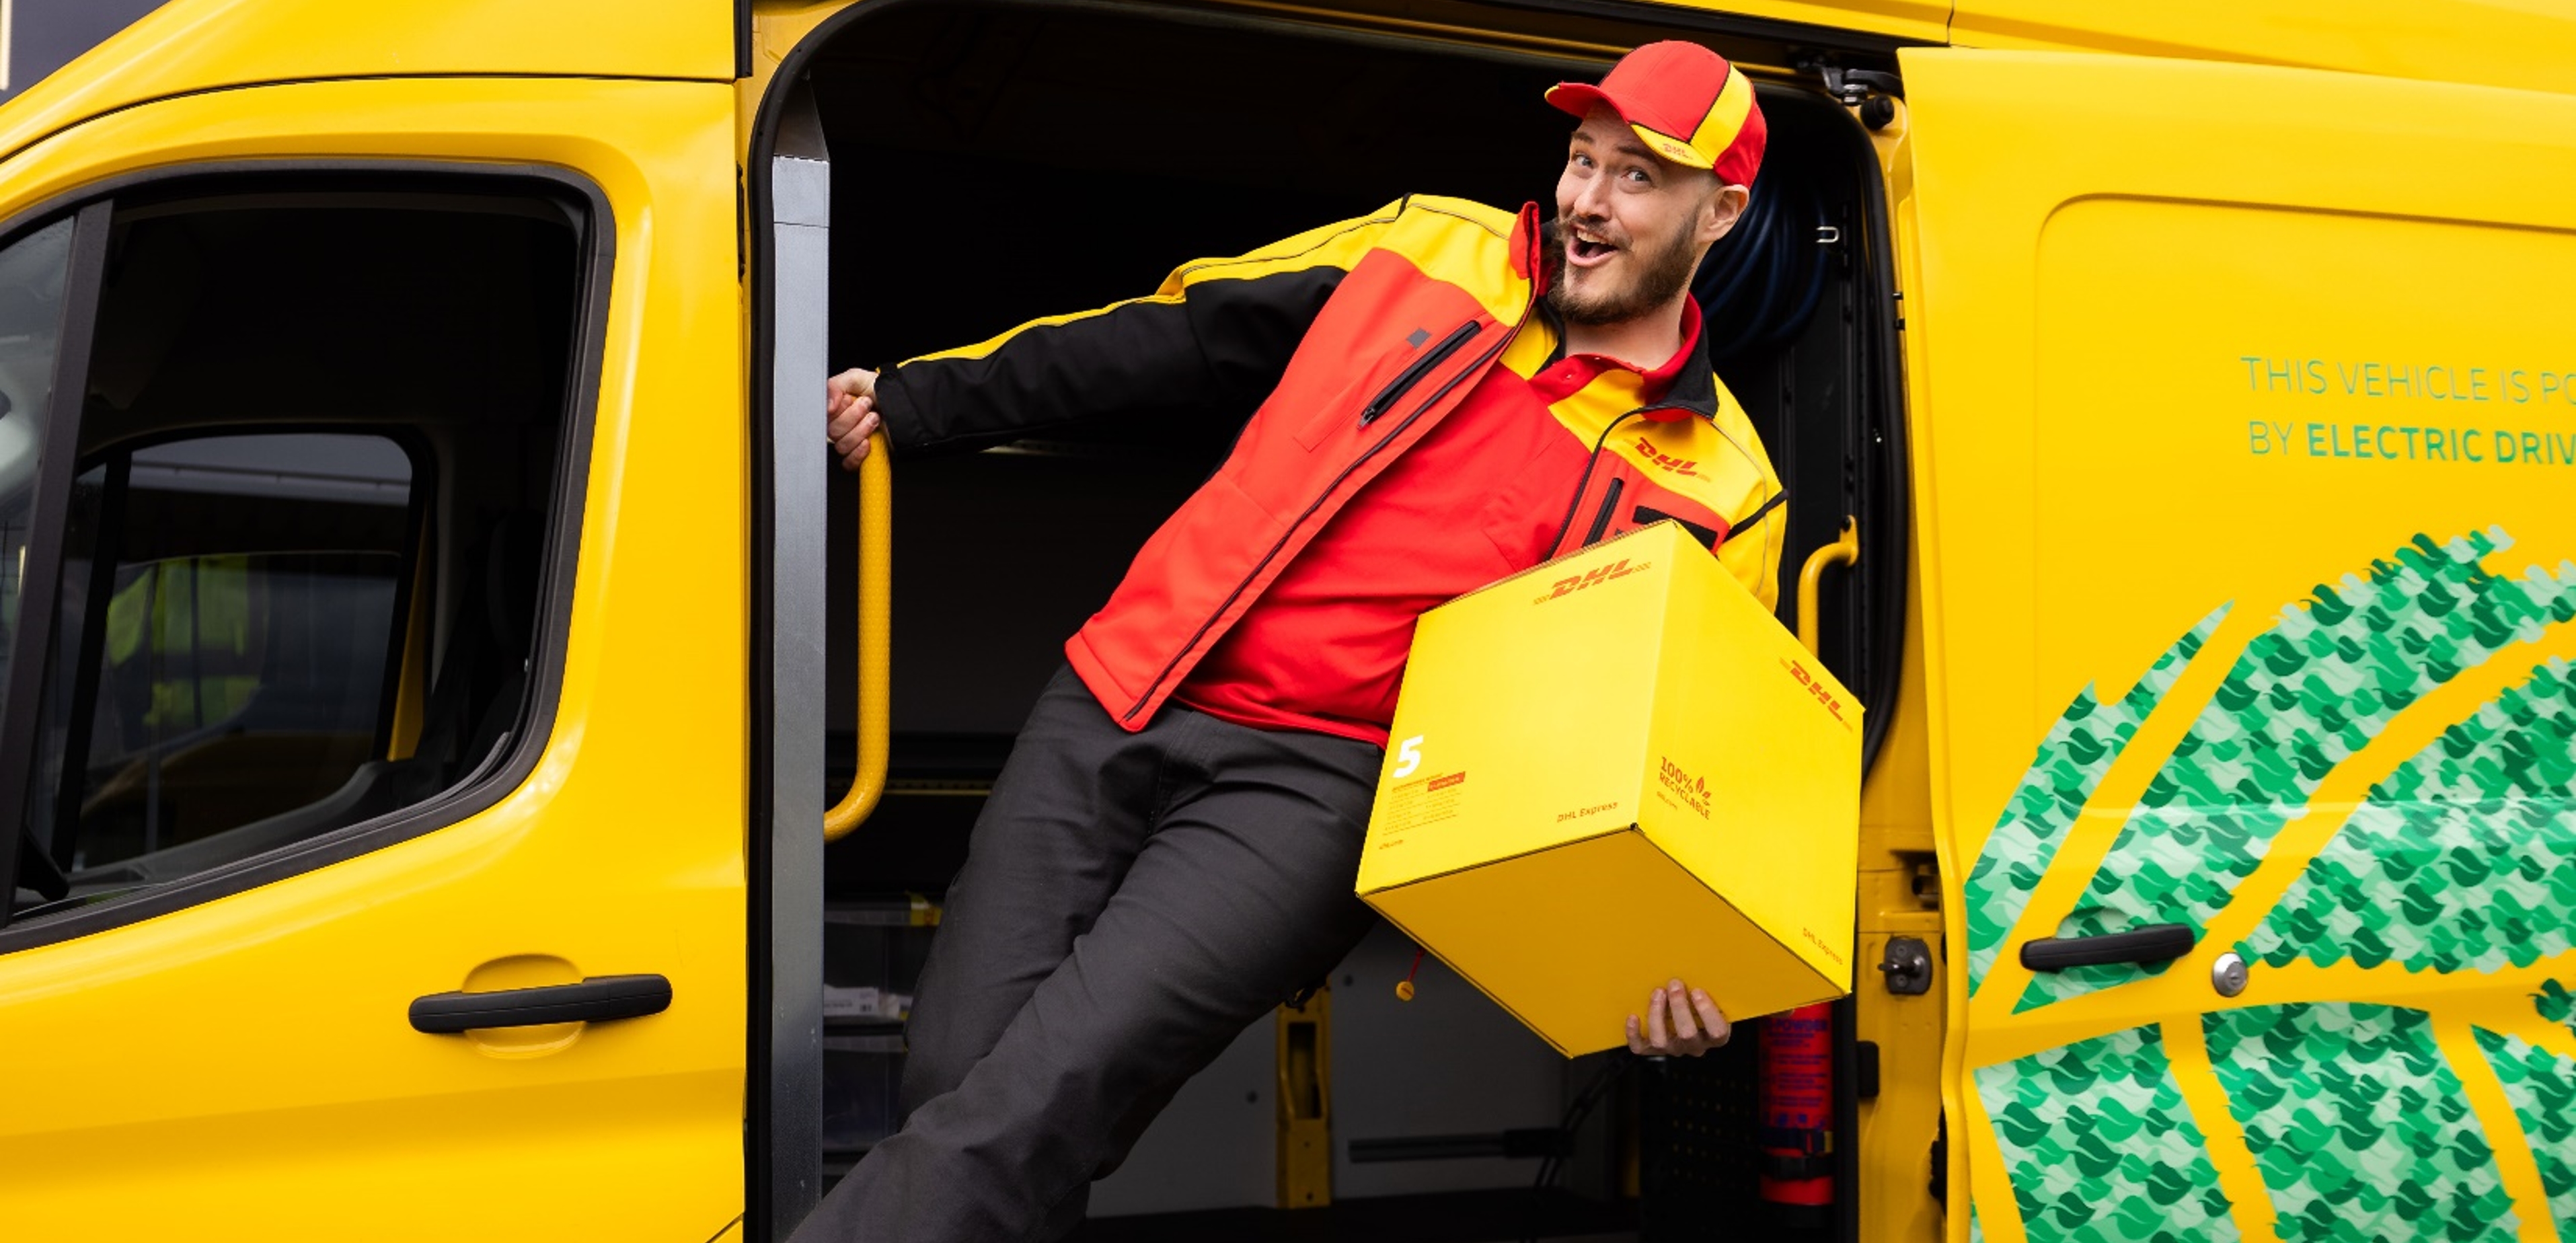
1639 176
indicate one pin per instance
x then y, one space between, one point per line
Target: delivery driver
1446 394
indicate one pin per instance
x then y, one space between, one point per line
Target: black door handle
595 1000
2153 943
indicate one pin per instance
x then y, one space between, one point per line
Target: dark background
44 35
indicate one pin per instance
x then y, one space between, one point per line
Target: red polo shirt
1324 648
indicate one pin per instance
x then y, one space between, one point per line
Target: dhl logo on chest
1647 453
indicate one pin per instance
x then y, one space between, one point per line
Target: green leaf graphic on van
2554 1003
2100 1145
2303 697
2542 1087
2462 859
2359 1126
2079 748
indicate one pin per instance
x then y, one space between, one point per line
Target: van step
1497 1216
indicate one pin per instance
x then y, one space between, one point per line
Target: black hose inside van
1760 284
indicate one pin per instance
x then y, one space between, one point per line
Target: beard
1661 275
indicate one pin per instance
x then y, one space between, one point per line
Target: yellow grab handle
1844 551
876 644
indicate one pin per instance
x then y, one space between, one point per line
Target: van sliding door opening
992 163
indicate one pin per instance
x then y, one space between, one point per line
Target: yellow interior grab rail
876 642
1844 551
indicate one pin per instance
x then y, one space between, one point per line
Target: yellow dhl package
1612 770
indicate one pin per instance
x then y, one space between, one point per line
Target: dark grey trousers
1129 904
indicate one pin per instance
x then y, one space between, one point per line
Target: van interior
996 162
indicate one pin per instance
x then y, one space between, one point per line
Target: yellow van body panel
2242 455
1921 21
196 45
244 1068
2526 44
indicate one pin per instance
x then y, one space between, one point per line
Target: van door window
300 566
234 608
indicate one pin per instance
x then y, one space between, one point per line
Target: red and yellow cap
1685 102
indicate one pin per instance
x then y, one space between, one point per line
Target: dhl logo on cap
1685 102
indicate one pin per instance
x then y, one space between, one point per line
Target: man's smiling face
1632 227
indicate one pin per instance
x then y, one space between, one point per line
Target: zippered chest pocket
1406 380
1389 396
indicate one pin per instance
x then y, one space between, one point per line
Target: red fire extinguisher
1797 1108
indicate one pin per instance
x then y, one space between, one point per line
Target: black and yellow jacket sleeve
1215 337
1339 349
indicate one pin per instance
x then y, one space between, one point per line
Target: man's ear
1717 216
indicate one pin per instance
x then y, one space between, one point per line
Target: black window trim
40 587
491 781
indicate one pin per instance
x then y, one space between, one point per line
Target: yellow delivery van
432 633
